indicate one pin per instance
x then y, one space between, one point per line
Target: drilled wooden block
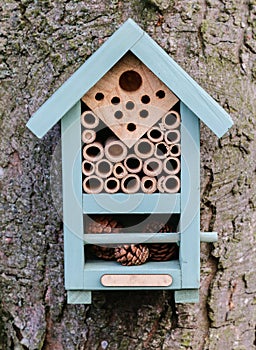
129 99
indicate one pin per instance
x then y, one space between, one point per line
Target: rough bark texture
42 44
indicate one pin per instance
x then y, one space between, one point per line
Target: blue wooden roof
130 37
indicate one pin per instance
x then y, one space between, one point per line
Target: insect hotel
130 168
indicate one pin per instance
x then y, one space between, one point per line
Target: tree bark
42 44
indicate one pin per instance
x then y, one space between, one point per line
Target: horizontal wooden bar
129 238
137 203
95 269
208 237
136 280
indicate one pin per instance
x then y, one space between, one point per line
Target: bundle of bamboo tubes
151 165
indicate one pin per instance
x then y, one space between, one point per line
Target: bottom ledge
79 297
94 270
186 296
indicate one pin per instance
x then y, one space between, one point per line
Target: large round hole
88 166
89 118
132 163
130 183
131 127
170 119
155 133
130 80
111 184
152 166
160 94
93 151
161 149
93 184
145 99
175 149
171 136
148 184
119 170
115 150
99 96
115 100
144 147
171 164
104 167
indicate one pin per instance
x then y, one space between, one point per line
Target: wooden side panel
190 199
72 198
84 78
182 85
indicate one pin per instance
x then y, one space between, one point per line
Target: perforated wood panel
130 99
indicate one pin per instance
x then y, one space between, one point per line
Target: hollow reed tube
103 168
144 148
171 165
148 184
155 134
115 150
112 185
119 170
130 183
89 120
93 152
93 184
171 120
88 136
133 164
88 167
172 136
152 167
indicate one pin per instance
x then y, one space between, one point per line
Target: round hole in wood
131 127
145 99
118 114
99 96
130 80
160 94
115 100
129 105
143 113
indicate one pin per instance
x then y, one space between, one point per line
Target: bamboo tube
171 120
161 150
103 168
89 120
155 134
160 184
175 150
93 184
119 170
130 183
144 148
115 150
172 136
171 165
133 163
112 185
148 184
93 152
88 167
152 167
171 184
88 136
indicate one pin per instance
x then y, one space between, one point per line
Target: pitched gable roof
130 37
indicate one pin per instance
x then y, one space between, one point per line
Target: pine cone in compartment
161 251
103 224
132 254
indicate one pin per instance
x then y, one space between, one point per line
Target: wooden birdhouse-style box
131 169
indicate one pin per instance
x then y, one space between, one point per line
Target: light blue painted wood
94 270
79 297
182 85
208 237
84 78
130 238
190 199
72 198
137 203
130 36
186 296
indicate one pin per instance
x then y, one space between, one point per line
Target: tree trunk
42 44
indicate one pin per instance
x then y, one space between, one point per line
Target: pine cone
103 224
132 254
161 251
